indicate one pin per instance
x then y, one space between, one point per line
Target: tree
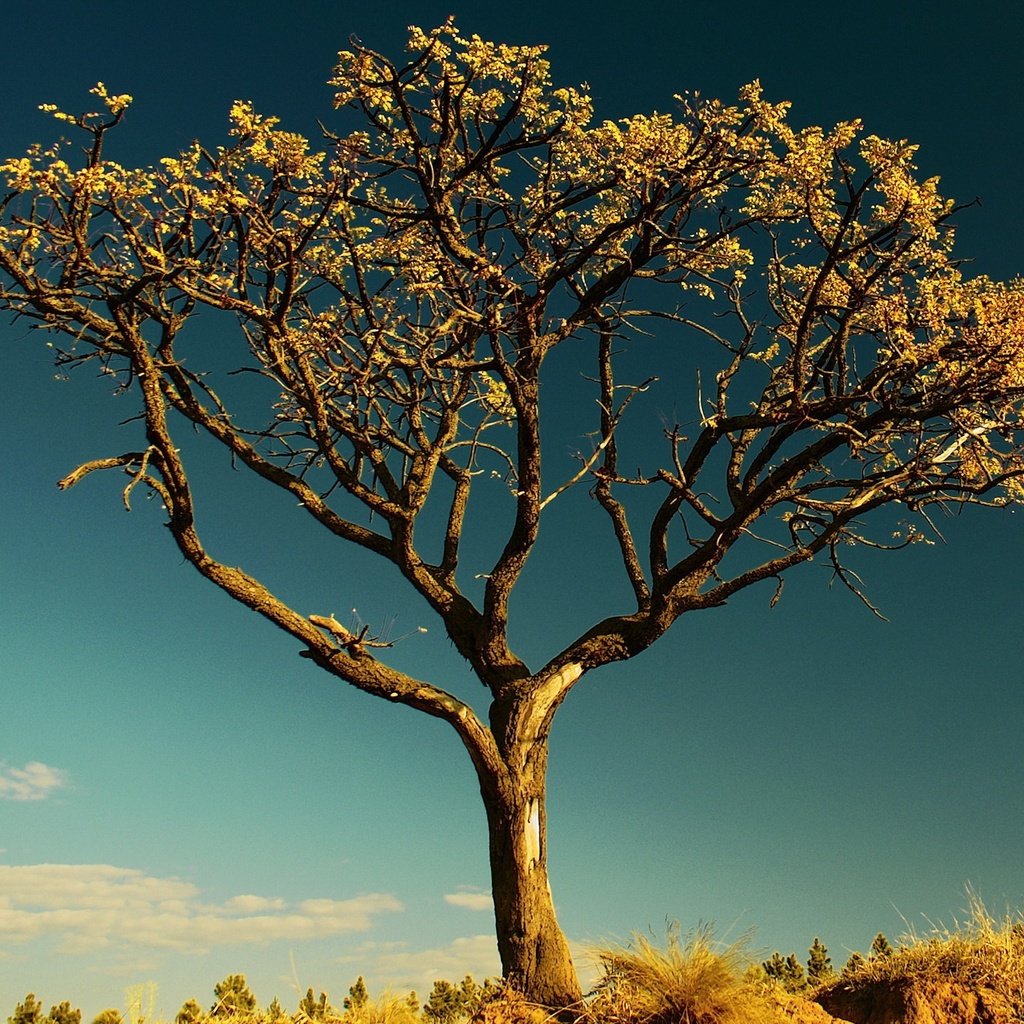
397 299
474 996
446 1003
463 1000
190 1013
774 966
28 1012
109 1016
64 1013
320 1009
786 970
232 996
880 947
819 963
357 996
853 965
794 978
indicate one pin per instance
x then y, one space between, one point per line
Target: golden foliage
404 280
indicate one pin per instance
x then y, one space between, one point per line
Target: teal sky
182 797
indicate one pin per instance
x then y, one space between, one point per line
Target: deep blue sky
805 770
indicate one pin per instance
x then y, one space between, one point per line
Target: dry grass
507 1006
980 952
385 1009
696 981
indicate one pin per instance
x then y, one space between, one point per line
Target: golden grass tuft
696 981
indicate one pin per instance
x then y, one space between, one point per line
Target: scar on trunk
533 833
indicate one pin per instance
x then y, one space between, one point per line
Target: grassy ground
688 980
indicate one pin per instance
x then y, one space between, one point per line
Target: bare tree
396 298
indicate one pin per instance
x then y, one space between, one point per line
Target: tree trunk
534 953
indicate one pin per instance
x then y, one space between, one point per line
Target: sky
183 797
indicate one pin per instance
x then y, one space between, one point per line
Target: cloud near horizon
90 907
36 781
398 968
470 899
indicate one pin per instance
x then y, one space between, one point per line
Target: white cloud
85 908
36 781
322 908
470 899
248 904
395 966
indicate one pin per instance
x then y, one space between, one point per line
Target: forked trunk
534 953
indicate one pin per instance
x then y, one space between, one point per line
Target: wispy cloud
470 898
253 904
395 966
36 781
89 907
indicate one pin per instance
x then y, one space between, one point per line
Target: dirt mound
917 1002
789 1009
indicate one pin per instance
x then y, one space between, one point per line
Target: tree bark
535 956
